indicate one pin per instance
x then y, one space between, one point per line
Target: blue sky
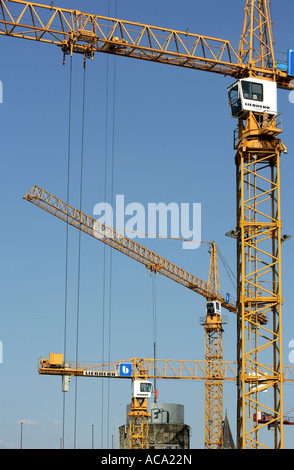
173 143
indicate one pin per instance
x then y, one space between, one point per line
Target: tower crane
253 102
141 371
212 322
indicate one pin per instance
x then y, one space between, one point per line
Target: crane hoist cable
111 251
229 271
104 250
66 236
79 248
154 327
107 106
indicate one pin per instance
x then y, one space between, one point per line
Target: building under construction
167 429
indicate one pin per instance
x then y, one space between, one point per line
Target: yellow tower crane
154 263
140 371
253 102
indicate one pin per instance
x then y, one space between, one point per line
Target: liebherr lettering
100 373
259 106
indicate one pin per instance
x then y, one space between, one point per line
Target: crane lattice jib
85 33
150 368
113 238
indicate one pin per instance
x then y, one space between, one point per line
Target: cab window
145 387
233 94
252 91
210 307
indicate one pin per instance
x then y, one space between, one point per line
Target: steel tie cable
66 241
79 253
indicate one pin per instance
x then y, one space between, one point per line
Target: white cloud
27 422
56 422
8 445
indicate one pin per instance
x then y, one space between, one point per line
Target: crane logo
161 220
291 94
125 369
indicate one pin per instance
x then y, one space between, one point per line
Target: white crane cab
141 389
213 308
252 94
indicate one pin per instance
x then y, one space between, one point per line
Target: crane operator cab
252 94
141 389
213 308
213 314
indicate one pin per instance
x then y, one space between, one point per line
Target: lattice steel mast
258 246
213 326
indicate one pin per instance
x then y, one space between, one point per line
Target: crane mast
258 268
258 227
213 327
257 158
